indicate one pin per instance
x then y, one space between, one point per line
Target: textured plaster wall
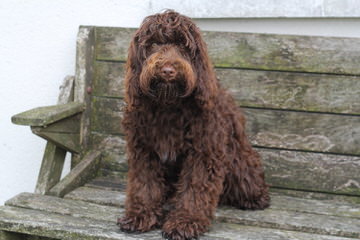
37 49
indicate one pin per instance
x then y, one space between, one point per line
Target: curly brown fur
186 141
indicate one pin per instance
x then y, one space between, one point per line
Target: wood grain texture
43 116
304 131
79 175
294 91
285 169
68 141
67 125
282 214
318 132
287 219
67 90
255 51
84 61
43 223
312 171
83 79
51 168
109 79
267 89
106 115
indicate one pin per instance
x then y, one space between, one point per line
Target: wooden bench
301 96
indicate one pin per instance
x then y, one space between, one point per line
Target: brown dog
186 141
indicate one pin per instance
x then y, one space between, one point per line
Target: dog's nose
168 72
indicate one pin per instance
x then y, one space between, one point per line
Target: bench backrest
301 96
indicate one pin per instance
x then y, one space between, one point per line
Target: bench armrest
43 116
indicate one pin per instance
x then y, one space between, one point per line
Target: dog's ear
207 85
133 68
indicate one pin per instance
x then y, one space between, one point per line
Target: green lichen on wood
256 88
303 131
43 116
108 79
106 115
79 175
68 125
114 157
286 213
312 171
67 141
266 127
255 51
51 168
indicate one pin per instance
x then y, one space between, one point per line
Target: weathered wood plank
268 128
109 79
284 213
47 224
67 90
62 206
43 116
268 89
294 91
304 131
113 147
51 168
283 199
67 141
255 51
331 207
79 175
67 125
285 169
272 217
312 171
106 115
112 43
84 61
98 196
83 78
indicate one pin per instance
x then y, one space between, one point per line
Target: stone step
54 217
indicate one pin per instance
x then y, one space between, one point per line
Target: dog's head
168 61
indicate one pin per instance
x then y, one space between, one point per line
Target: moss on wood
43 116
255 51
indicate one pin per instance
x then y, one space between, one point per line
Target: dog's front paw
259 203
179 228
139 223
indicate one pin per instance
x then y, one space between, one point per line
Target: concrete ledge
262 8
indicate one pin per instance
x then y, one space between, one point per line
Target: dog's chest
166 134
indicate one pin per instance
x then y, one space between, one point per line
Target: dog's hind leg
244 185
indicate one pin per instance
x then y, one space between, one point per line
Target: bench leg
51 168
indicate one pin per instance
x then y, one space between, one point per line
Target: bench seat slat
277 215
42 223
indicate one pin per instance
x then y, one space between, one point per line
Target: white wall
37 49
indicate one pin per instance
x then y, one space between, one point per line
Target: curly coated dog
186 143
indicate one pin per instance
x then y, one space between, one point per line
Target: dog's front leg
145 194
198 190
